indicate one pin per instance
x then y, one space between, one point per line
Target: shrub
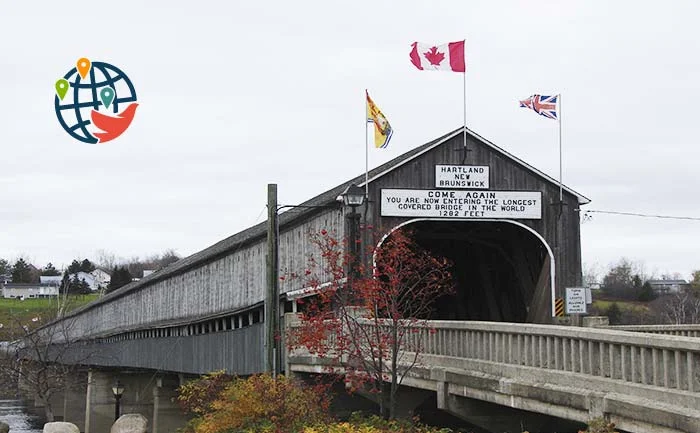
263 404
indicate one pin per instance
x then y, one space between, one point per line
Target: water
18 415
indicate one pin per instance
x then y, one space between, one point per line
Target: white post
464 94
366 150
561 192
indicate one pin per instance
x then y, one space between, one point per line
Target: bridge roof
327 198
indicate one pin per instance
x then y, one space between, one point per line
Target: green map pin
62 87
107 96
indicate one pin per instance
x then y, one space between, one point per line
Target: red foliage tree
366 321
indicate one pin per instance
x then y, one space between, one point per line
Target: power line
641 215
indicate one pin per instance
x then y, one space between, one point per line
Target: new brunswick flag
382 129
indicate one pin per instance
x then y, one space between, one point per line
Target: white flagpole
464 93
366 151
561 192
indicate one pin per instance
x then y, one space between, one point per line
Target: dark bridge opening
501 270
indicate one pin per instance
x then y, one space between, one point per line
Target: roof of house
310 207
667 282
27 285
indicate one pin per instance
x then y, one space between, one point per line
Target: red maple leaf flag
432 57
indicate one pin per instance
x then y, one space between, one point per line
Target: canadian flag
431 57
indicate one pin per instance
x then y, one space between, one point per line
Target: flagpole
561 189
366 151
464 94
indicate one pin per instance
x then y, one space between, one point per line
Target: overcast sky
234 95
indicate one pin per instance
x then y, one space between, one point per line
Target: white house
24 291
101 276
55 280
662 287
88 278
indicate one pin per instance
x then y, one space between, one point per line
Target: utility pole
272 295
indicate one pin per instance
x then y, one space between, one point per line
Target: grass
15 312
633 306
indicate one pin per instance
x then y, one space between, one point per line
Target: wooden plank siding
233 282
239 351
505 175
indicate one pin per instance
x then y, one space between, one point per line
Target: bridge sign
576 300
462 176
461 203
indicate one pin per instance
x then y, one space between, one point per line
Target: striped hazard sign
559 307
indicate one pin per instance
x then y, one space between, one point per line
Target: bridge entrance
502 269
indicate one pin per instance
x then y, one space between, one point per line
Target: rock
130 423
4 427
60 427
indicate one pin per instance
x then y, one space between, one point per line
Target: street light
353 196
117 390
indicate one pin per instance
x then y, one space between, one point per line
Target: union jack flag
542 104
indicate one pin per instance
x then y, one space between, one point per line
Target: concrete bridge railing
678 330
662 361
643 382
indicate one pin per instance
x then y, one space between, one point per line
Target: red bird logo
113 126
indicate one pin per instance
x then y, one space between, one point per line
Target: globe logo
95 101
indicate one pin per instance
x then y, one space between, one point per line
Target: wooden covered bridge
514 243
513 235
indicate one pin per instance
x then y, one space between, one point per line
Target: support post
353 229
88 399
272 296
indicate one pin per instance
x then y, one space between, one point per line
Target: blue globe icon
86 114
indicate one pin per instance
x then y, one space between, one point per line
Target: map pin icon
83 66
107 96
62 87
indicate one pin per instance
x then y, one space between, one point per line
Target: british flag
542 104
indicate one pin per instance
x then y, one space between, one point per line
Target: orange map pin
83 67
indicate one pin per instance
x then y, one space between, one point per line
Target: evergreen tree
50 271
614 314
87 266
647 294
120 277
74 267
5 267
21 272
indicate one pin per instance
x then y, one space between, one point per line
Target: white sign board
462 176
461 203
575 300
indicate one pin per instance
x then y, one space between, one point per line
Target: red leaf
434 56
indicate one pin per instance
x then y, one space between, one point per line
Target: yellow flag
382 129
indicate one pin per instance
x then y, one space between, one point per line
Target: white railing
666 361
678 330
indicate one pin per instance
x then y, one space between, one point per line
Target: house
89 278
55 280
663 287
102 277
25 290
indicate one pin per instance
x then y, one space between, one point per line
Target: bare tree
682 307
43 357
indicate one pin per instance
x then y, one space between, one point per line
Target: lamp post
117 390
353 196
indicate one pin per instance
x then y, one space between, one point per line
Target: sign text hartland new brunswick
461 204
462 176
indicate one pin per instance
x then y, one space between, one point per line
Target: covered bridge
514 243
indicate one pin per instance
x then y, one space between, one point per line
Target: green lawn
635 306
15 313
